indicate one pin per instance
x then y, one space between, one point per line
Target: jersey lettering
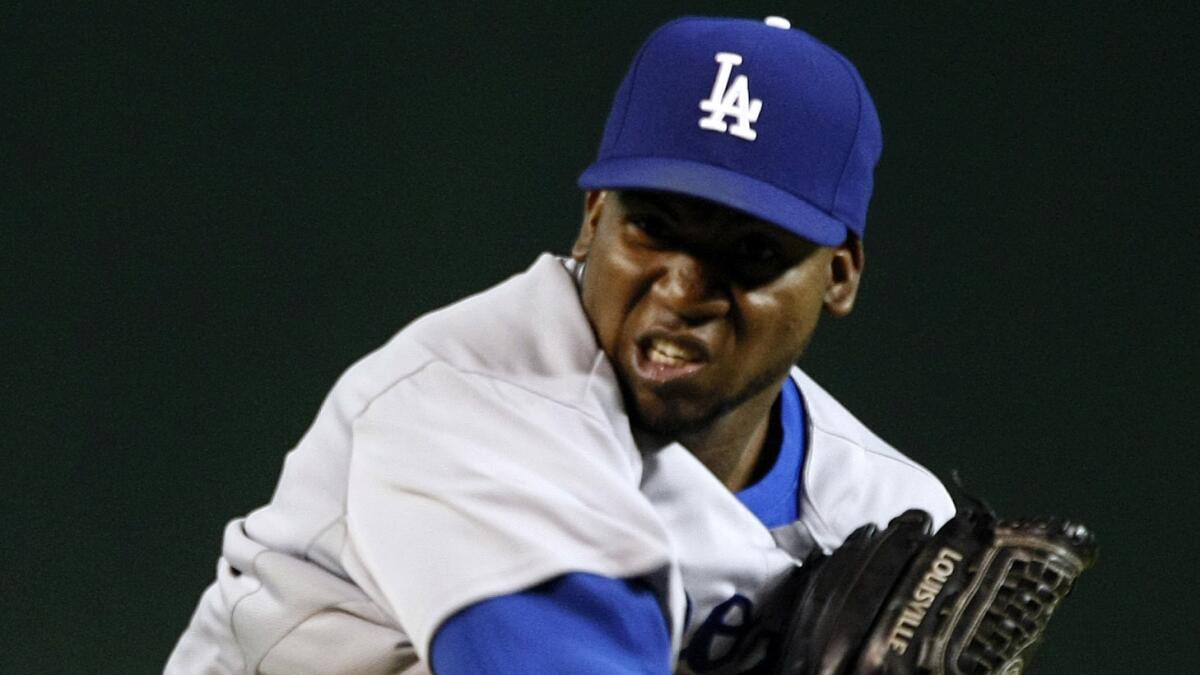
716 641
731 99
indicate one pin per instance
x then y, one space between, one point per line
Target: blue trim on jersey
775 499
576 623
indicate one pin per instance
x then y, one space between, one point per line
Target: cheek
609 289
784 316
786 331
594 293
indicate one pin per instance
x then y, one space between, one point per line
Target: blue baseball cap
755 115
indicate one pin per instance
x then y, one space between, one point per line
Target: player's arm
446 509
575 623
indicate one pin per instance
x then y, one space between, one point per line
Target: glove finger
885 559
843 593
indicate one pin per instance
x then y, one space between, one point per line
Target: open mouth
662 358
671 353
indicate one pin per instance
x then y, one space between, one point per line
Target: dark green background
209 212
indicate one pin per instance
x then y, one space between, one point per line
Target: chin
670 422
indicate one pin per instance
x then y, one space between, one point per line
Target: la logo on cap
731 99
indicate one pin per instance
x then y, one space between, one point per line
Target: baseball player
608 463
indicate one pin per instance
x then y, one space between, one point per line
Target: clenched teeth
671 353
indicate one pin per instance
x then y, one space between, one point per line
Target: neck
732 446
731 460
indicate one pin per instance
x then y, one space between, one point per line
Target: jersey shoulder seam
479 374
897 456
817 425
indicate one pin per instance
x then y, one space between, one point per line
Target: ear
845 271
593 207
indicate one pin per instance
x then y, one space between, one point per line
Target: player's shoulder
527 333
852 476
531 320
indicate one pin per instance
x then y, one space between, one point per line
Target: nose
693 287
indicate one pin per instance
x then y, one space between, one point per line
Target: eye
756 249
651 226
757 258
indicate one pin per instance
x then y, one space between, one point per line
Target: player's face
702 309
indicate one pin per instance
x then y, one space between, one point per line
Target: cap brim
719 185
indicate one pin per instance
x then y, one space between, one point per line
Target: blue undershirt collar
775 498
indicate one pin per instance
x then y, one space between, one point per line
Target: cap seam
857 131
633 73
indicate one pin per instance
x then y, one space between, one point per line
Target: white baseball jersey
485 449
